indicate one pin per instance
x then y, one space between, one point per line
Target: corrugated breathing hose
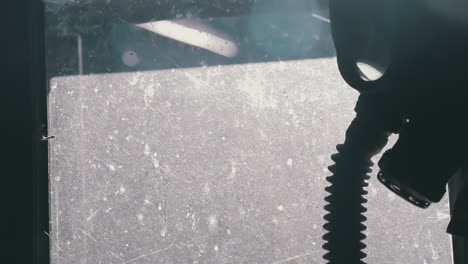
344 237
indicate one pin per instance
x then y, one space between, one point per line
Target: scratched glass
200 132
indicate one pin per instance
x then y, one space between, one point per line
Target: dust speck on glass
200 132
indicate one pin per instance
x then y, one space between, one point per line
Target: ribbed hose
345 203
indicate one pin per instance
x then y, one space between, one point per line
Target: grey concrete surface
218 164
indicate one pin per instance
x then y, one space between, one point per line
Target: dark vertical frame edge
459 246
38 88
24 191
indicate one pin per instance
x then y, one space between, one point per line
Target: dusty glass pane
201 133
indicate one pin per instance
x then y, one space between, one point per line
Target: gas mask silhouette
422 95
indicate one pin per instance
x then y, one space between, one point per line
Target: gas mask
422 95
